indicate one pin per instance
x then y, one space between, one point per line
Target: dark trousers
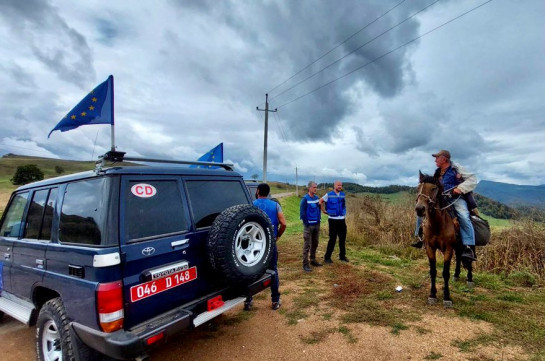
275 282
311 235
337 227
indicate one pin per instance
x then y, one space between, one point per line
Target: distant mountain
512 194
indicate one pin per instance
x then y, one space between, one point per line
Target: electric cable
385 54
344 41
353 51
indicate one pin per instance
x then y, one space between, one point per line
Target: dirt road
263 334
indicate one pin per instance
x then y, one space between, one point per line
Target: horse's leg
469 267
447 302
433 274
457 269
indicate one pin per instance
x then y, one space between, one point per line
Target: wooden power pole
266 110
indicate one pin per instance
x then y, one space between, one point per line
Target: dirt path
263 334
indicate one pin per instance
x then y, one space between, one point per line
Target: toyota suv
112 262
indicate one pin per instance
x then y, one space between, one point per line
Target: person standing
274 211
309 213
334 205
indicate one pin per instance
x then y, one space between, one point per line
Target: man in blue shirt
274 211
334 205
309 213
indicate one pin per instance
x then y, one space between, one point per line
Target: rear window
153 208
14 216
84 212
210 198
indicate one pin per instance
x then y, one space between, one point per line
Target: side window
35 214
48 215
153 208
83 212
210 198
14 216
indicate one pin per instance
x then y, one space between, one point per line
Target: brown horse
439 234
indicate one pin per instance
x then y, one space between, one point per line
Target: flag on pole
95 108
213 155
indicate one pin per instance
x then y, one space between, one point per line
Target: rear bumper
131 344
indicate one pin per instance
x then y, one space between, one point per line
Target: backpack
482 230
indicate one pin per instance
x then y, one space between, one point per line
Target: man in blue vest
309 213
274 211
334 205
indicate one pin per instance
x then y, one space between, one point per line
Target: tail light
110 306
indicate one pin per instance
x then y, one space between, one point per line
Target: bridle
431 201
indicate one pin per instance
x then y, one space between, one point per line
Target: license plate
151 288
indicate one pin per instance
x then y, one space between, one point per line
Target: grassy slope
513 304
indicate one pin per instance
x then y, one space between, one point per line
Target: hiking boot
344 259
276 305
248 305
468 254
315 263
307 269
328 261
419 242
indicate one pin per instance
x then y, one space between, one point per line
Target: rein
432 201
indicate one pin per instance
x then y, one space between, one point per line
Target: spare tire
240 244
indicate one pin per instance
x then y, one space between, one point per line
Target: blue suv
112 262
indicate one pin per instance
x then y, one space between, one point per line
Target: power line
358 48
385 54
344 41
280 128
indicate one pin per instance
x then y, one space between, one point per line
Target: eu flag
213 155
95 108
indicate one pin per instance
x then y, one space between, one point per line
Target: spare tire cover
240 244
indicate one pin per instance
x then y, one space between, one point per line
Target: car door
29 251
155 239
10 230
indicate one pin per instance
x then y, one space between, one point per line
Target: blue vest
449 179
310 209
271 209
336 205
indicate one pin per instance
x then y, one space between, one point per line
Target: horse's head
427 193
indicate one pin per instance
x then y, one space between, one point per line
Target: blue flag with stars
95 108
213 155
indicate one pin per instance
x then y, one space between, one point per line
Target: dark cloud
69 55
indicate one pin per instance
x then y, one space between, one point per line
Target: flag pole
113 122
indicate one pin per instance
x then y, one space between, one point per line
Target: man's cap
443 152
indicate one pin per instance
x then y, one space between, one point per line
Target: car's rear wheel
53 339
240 243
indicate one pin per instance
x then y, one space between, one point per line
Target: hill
512 194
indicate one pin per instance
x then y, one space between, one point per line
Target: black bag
482 230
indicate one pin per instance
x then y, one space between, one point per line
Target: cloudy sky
365 91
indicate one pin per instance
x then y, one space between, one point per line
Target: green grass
364 292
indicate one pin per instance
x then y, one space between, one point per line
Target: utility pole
296 183
266 110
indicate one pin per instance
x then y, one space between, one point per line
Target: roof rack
114 156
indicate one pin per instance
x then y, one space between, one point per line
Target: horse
439 234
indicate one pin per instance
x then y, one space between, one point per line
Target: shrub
26 174
59 169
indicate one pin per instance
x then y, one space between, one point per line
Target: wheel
240 244
53 339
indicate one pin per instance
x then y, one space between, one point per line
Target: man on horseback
456 181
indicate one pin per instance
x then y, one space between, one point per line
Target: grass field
513 302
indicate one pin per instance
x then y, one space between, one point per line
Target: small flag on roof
213 155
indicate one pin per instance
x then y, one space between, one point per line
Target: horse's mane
426 178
